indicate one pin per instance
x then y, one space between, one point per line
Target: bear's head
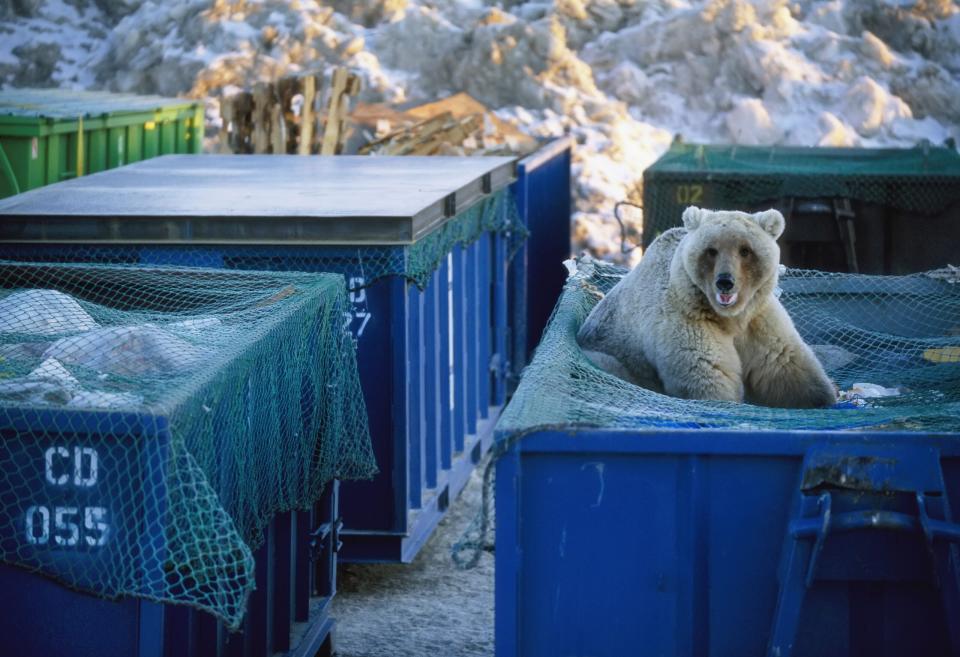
731 256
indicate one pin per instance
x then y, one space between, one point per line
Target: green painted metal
9 179
923 180
50 135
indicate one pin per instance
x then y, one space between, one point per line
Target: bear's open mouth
726 299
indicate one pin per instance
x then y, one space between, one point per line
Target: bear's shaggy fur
698 318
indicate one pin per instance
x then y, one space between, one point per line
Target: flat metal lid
257 199
70 104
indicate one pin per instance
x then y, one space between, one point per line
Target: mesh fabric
923 180
899 332
153 421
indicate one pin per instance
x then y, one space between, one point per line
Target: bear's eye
745 252
712 252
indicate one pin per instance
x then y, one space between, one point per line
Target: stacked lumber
458 125
290 115
439 135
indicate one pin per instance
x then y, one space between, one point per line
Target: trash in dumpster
128 351
870 391
43 312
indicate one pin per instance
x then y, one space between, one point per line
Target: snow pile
621 76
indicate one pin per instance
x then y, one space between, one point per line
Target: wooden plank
400 142
440 134
262 106
278 130
462 105
228 113
367 114
286 90
331 133
343 85
235 129
305 147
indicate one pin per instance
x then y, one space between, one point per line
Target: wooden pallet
290 115
457 125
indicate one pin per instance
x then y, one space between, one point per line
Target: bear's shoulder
656 259
667 239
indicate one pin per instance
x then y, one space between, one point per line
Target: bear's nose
725 282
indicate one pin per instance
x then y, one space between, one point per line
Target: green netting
923 179
497 214
154 420
901 333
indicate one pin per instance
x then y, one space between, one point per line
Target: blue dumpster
171 440
628 522
424 244
288 613
536 270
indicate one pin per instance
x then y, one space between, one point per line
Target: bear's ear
772 222
692 217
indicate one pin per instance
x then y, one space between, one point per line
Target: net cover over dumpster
153 420
415 262
897 332
923 179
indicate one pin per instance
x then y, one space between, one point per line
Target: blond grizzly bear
698 318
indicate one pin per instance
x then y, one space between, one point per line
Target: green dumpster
872 211
49 135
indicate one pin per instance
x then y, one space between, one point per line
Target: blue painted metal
39 617
708 542
288 613
471 324
537 275
499 362
459 353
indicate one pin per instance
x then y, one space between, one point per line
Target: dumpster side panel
381 349
26 167
116 147
82 624
546 199
134 143
585 507
96 157
151 139
168 136
633 546
40 617
196 139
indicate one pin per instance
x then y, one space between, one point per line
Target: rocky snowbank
622 76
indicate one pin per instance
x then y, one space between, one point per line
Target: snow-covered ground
622 76
428 608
